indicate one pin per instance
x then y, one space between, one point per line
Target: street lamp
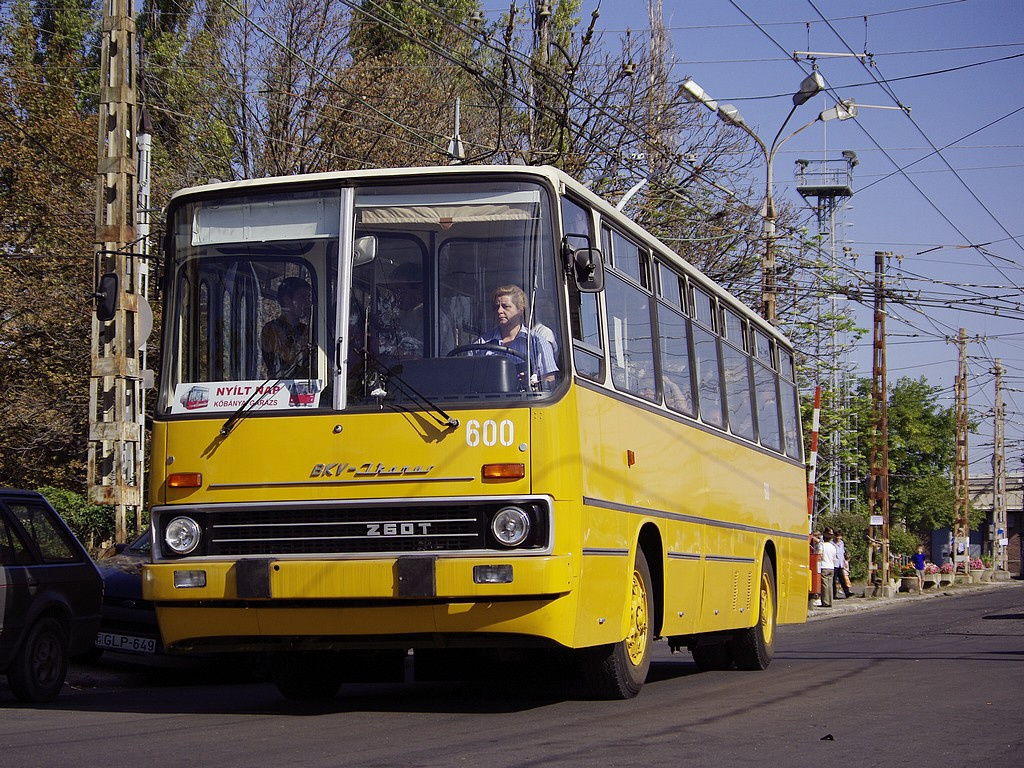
727 113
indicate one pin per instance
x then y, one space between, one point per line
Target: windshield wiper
433 409
243 410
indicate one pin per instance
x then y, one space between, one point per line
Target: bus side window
630 326
674 342
709 386
707 362
790 405
738 387
584 317
631 338
767 396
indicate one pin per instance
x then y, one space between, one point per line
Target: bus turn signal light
504 471
185 480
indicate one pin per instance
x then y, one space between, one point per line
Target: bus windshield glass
451 289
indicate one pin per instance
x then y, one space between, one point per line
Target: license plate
125 643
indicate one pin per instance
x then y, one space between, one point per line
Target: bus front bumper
347 599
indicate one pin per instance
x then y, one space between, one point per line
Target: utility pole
961 505
999 477
878 490
540 120
115 411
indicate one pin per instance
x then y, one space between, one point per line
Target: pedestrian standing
828 567
816 553
919 558
842 573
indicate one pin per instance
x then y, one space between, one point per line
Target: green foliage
408 29
47 184
91 524
921 460
902 541
854 526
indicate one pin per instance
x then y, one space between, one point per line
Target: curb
862 602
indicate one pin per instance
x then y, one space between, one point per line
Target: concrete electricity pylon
878 490
115 387
961 502
999 476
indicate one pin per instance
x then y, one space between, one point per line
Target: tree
92 524
47 181
922 436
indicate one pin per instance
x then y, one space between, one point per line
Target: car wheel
38 669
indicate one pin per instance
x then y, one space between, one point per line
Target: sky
938 185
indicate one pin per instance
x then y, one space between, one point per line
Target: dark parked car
129 622
50 596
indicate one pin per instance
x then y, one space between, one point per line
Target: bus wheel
618 671
754 648
306 675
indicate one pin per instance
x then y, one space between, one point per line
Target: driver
509 303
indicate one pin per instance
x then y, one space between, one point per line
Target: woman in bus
509 302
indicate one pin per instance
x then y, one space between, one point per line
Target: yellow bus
460 410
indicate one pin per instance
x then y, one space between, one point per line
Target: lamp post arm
770 156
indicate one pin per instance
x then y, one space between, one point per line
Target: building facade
980 490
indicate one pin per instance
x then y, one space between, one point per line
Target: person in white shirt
841 578
828 567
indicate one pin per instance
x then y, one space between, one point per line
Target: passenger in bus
544 307
676 397
286 340
509 302
402 315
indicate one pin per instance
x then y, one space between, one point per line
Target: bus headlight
182 535
511 526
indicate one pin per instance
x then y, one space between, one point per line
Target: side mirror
365 250
586 265
106 297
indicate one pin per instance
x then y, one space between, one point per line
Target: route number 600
490 433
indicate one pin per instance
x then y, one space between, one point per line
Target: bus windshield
452 295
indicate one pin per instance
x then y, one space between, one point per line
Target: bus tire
306 675
754 648
618 671
38 670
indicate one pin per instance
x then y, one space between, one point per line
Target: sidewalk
864 602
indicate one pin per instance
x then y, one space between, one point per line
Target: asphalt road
915 682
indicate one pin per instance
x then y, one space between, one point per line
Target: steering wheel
489 347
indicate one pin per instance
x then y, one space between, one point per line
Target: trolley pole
115 411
